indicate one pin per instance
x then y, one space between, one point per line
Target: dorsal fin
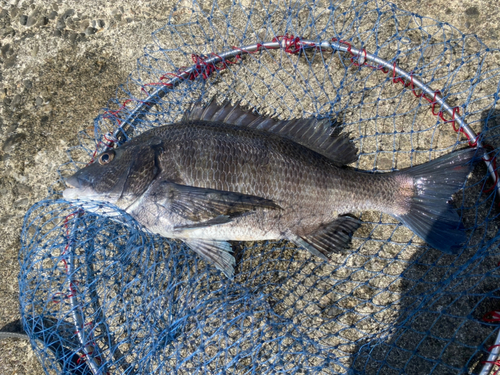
310 132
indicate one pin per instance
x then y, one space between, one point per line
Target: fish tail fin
428 214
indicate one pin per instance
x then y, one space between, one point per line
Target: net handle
88 349
492 357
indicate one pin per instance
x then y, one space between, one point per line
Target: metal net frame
99 294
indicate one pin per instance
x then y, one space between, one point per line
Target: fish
225 173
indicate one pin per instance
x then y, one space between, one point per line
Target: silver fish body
225 174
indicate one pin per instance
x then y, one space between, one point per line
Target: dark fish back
231 158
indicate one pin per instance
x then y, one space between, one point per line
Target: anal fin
215 252
329 238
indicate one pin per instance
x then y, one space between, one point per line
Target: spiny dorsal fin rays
310 132
232 112
222 112
209 110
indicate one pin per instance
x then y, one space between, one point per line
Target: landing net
102 296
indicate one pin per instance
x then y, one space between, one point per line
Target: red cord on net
291 43
492 317
410 84
495 362
364 62
114 114
165 76
201 68
433 102
204 68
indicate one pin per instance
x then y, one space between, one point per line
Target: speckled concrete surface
59 67
61 61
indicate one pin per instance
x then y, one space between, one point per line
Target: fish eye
106 157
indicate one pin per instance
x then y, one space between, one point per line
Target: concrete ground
60 63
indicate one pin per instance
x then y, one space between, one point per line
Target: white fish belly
255 227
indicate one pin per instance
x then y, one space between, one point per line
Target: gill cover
117 176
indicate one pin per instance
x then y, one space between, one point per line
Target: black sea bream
223 173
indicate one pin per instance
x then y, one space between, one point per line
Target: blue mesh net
100 295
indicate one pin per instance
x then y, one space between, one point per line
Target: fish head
119 176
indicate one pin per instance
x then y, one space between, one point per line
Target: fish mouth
81 188
77 188
72 193
73 182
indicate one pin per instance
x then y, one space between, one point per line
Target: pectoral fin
209 206
329 238
217 253
221 219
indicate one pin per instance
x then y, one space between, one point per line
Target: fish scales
224 173
309 188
